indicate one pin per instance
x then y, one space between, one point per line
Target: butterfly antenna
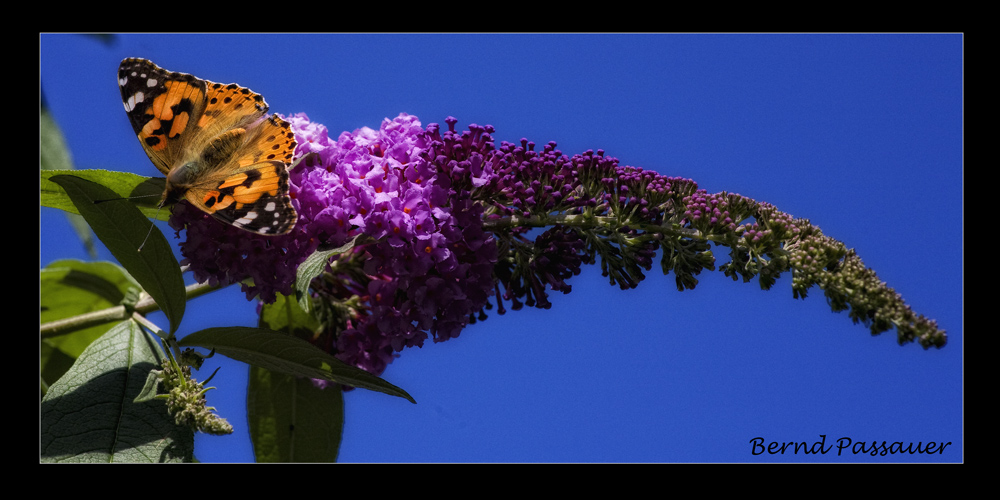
151 226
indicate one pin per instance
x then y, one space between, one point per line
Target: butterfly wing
176 115
163 108
249 189
214 142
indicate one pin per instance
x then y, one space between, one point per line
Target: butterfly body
215 143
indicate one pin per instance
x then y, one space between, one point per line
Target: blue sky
861 134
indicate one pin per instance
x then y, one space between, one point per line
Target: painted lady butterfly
216 144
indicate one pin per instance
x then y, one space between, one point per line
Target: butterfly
216 144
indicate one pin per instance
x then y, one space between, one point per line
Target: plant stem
145 305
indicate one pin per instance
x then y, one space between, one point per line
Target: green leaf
55 155
89 414
53 365
291 420
143 192
122 228
149 390
315 264
285 315
70 288
284 353
308 270
53 152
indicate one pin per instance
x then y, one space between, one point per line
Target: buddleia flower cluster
452 224
185 398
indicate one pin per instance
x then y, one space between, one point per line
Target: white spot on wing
246 219
132 101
